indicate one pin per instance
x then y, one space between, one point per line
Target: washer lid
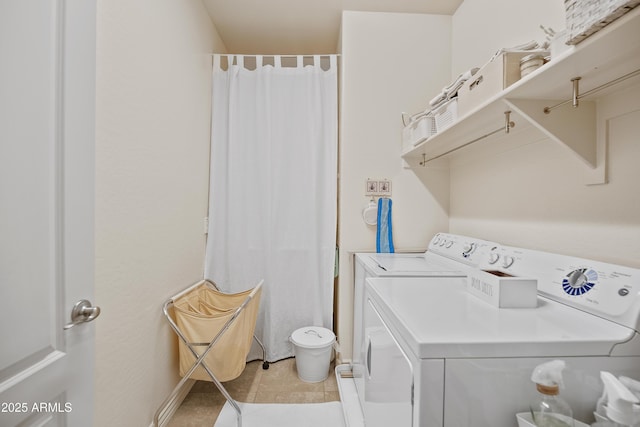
313 337
410 265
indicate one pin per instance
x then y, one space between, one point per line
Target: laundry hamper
215 333
200 315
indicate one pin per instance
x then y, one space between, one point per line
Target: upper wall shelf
605 56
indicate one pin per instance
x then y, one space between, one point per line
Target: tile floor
278 384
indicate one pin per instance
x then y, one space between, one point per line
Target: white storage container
525 420
446 115
418 130
312 347
496 75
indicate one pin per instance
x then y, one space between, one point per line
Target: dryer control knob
580 281
507 261
493 258
449 244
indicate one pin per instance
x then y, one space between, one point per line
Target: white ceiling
300 26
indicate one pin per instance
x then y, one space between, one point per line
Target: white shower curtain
272 207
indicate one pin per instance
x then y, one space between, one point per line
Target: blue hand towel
384 236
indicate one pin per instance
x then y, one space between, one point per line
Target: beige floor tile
331 396
331 384
278 384
283 377
290 397
198 409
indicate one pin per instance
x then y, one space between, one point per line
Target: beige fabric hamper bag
201 314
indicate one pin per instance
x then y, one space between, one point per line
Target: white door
47 136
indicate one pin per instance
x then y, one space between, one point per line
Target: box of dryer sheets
499 73
503 290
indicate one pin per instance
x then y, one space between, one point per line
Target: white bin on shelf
312 347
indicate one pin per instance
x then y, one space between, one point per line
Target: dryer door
387 398
357 359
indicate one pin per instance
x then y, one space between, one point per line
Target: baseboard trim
167 412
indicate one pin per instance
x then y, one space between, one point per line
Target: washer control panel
467 250
504 258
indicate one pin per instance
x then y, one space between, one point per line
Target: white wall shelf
605 56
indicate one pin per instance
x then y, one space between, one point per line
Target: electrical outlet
371 188
378 187
384 188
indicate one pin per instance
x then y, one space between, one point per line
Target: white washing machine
448 255
436 355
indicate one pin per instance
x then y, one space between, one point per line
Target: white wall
152 132
390 63
481 27
535 196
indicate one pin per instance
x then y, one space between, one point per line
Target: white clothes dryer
437 355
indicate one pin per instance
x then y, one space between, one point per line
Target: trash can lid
313 337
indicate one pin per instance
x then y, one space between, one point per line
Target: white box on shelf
418 130
503 290
496 75
446 114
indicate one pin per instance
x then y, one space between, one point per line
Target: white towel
438 99
532 45
452 90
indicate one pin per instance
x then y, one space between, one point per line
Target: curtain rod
309 55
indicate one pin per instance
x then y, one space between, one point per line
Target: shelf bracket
574 128
576 91
508 124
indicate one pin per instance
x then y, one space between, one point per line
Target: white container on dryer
312 347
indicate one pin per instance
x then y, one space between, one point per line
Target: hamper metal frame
200 358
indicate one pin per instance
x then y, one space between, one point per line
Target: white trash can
312 347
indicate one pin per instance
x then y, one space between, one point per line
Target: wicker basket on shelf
585 17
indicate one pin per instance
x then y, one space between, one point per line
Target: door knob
82 312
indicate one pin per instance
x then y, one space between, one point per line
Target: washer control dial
507 261
493 257
579 281
467 249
